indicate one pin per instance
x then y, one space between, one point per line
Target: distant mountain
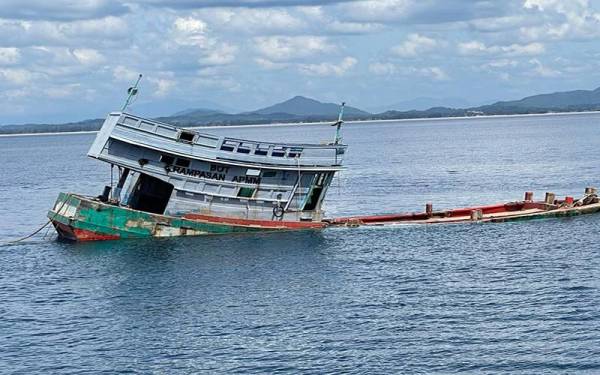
302 106
435 112
423 103
197 112
80 126
301 109
557 100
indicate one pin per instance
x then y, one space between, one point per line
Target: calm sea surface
489 298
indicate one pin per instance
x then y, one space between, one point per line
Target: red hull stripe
256 223
87 235
75 234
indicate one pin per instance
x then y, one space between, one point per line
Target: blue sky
67 60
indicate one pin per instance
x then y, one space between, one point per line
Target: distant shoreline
282 124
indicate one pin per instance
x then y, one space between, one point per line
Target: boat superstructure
171 172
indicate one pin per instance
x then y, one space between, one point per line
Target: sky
66 60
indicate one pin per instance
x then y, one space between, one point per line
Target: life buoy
278 211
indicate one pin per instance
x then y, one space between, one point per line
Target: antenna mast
131 92
338 125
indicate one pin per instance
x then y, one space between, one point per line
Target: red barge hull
503 212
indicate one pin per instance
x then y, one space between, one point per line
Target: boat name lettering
219 168
211 174
246 179
196 173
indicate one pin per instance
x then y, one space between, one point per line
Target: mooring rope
12 242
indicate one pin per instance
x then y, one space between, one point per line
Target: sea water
507 298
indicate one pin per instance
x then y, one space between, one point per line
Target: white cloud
575 19
502 63
270 65
9 56
254 21
221 54
16 76
523 49
479 48
163 86
500 24
104 28
433 72
286 48
66 10
189 31
109 31
387 69
124 74
320 21
379 10
472 48
341 27
414 46
88 56
328 68
380 68
62 91
541 70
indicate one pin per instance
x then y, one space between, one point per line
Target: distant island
301 109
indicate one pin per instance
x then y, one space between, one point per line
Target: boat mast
131 92
338 125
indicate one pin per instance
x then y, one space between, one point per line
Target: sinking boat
180 182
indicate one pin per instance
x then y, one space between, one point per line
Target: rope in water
40 228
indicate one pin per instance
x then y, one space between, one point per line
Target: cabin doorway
150 195
315 192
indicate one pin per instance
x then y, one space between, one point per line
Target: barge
527 209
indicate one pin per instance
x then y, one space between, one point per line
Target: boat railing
239 149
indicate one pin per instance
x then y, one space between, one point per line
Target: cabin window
167 159
244 148
269 174
228 146
246 192
186 136
278 152
185 163
295 152
261 150
253 172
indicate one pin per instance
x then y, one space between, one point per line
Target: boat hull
79 218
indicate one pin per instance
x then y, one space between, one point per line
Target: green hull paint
79 213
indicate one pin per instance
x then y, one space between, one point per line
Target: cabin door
150 195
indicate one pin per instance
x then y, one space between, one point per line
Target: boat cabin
168 170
